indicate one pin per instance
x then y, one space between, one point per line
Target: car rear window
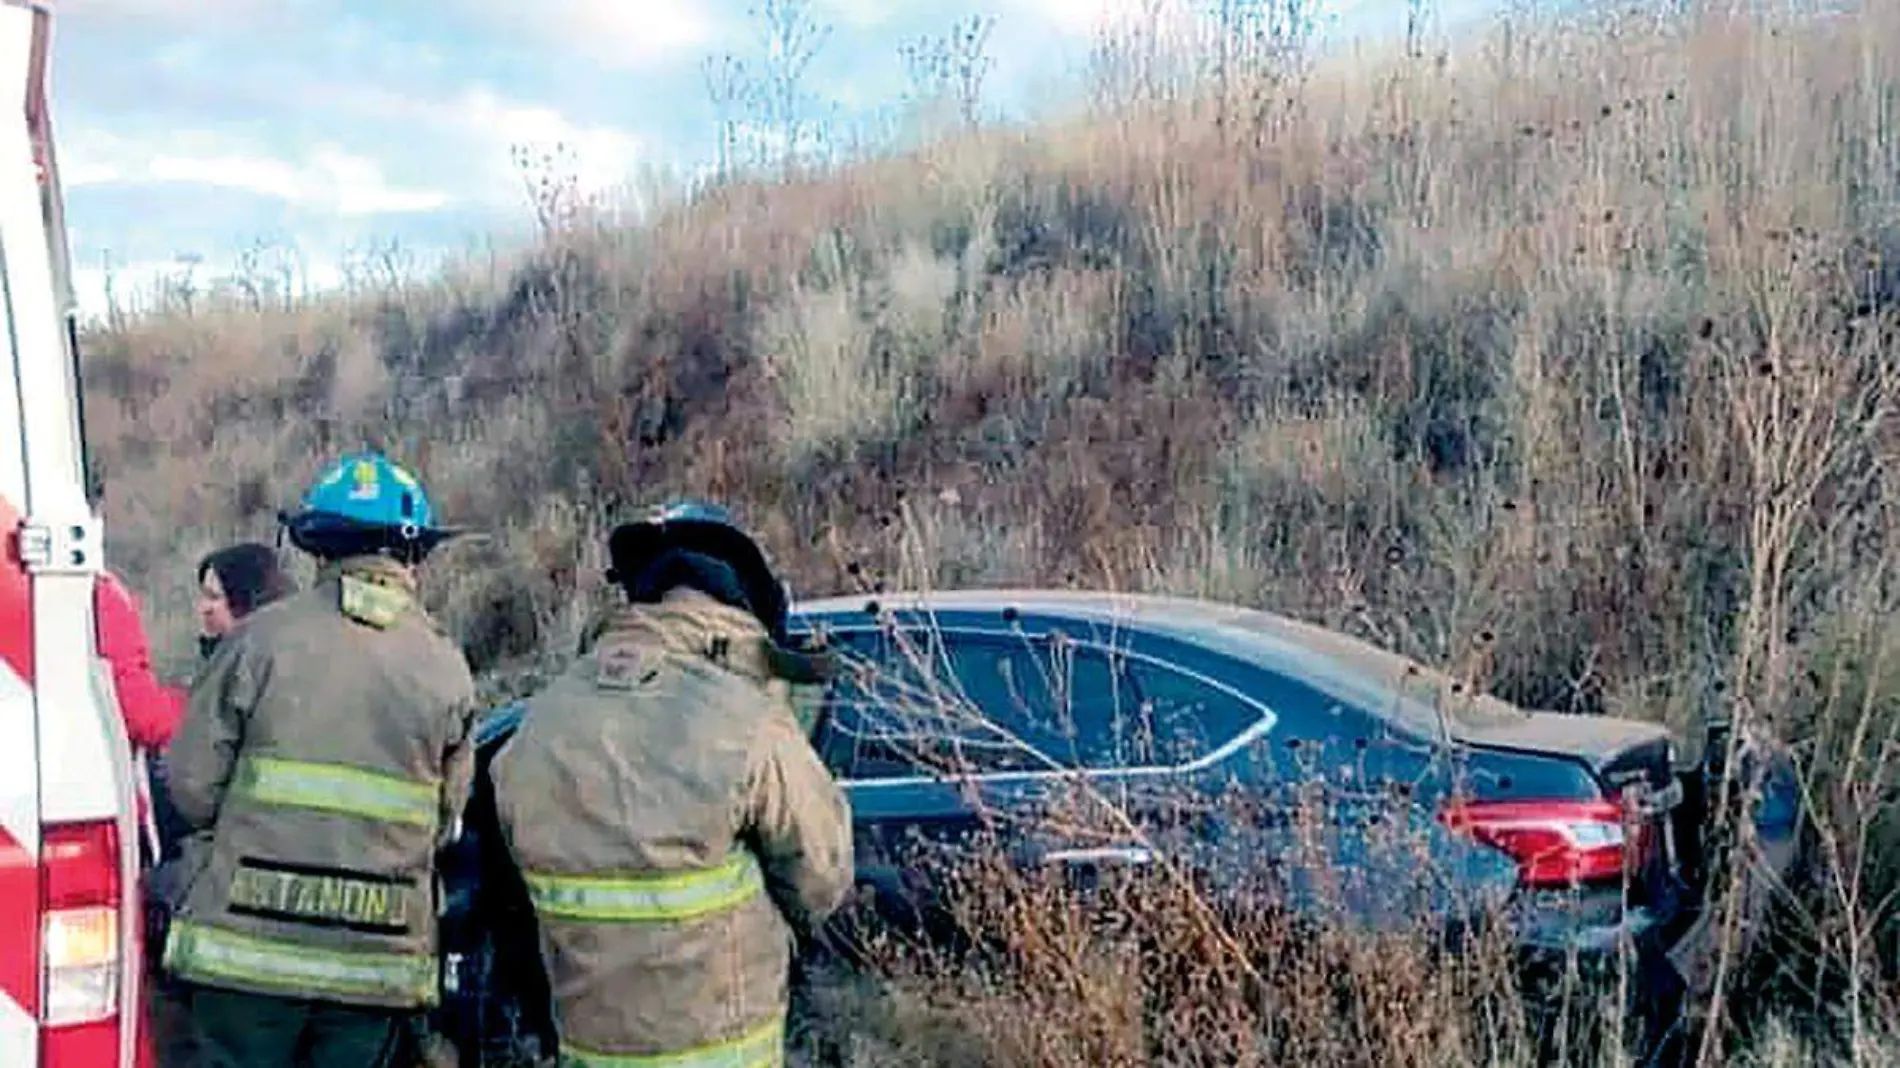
1351 670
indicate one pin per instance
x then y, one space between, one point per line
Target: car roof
1343 666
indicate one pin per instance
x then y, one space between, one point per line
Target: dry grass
1585 348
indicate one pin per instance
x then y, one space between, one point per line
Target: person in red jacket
151 709
151 712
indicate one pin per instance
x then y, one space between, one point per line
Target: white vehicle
69 826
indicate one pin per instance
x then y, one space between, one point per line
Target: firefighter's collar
693 626
373 590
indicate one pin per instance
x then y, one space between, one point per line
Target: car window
896 712
1179 717
1093 706
851 731
1059 697
918 702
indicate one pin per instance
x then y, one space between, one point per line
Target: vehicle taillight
80 896
1555 843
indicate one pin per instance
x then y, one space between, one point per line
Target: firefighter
675 830
324 758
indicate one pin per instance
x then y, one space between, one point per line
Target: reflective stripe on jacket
338 788
761 1047
326 751
681 896
674 828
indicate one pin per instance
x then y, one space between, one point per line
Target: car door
887 735
1191 739
944 733
1272 781
1059 707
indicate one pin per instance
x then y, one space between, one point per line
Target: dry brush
1568 365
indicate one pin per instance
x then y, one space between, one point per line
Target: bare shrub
1562 361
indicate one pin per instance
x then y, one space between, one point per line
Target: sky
321 133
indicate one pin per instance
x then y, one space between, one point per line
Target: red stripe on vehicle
19 924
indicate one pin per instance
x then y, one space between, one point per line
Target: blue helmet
364 503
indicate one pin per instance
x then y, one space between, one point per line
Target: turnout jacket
674 829
323 759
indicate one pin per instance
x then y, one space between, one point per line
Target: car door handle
1124 854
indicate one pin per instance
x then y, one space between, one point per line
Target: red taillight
79 865
80 947
1555 843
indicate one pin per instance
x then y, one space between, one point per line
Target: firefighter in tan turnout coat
323 759
671 821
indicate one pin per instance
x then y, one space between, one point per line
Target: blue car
1205 727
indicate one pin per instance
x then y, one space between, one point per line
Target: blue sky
325 126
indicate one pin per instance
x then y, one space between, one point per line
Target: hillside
1571 365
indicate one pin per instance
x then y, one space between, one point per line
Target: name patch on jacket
625 667
325 897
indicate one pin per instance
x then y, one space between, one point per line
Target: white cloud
327 178
857 14
158 7
176 12
478 131
603 158
330 179
89 155
616 34
356 185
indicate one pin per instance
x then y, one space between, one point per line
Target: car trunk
1627 760
1617 751
1632 762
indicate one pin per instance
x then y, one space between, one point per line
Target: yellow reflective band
338 788
681 896
337 898
761 1047
372 603
194 951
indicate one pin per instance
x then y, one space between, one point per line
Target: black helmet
701 540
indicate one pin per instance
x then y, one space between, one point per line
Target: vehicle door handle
1096 854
